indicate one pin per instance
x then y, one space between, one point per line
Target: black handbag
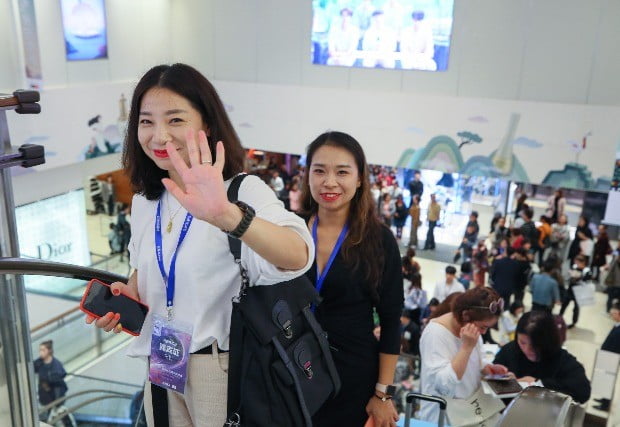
281 369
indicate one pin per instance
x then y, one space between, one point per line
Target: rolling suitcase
411 398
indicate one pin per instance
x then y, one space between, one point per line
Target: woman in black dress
357 271
582 233
536 354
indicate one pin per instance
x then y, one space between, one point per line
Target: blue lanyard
169 278
320 278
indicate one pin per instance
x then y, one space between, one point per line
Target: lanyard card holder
170 345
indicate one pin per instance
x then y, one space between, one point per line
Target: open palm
204 195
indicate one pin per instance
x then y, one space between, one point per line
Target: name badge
170 344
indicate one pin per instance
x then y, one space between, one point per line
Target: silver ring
204 162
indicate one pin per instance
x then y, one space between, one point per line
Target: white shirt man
443 288
277 184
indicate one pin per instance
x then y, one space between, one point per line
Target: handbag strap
237 369
233 196
235 244
159 403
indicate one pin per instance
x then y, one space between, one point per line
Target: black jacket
51 380
612 342
561 372
416 188
530 232
508 275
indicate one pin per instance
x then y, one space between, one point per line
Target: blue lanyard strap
320 278
168 278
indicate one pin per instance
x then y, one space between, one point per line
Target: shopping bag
479 409
584 294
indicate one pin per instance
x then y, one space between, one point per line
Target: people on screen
379 43
417 46
343 40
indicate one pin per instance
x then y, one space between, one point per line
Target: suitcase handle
435 399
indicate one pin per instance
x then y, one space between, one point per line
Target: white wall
287 118
553 50
139 35
10 69
32 186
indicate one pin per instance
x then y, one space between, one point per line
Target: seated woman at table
536 355
451 347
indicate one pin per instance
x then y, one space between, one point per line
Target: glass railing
71 289
76 343
101 380
94 401
112 264
102 383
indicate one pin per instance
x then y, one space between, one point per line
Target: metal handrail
7 101
58 269
107 381
54 319
62 399
109 394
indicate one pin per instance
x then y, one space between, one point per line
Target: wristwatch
387 390
244 224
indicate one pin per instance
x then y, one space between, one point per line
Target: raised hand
495 369
203 195
469 335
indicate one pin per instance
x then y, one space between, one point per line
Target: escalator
102 382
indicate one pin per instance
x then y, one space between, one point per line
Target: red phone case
96 315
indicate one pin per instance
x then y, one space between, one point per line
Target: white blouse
438 346
207 277
507 327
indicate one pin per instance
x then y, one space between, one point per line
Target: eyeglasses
496 307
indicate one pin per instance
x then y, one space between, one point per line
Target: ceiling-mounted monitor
395 34
84 28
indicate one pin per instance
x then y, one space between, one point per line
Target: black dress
346 314
561 373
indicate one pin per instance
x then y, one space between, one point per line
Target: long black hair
144 175
543 333
363 247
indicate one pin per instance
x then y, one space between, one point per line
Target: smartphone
497 377
98 301
501 387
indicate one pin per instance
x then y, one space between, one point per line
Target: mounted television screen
396 34
84 28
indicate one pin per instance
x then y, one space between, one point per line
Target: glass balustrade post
18 385
98 341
